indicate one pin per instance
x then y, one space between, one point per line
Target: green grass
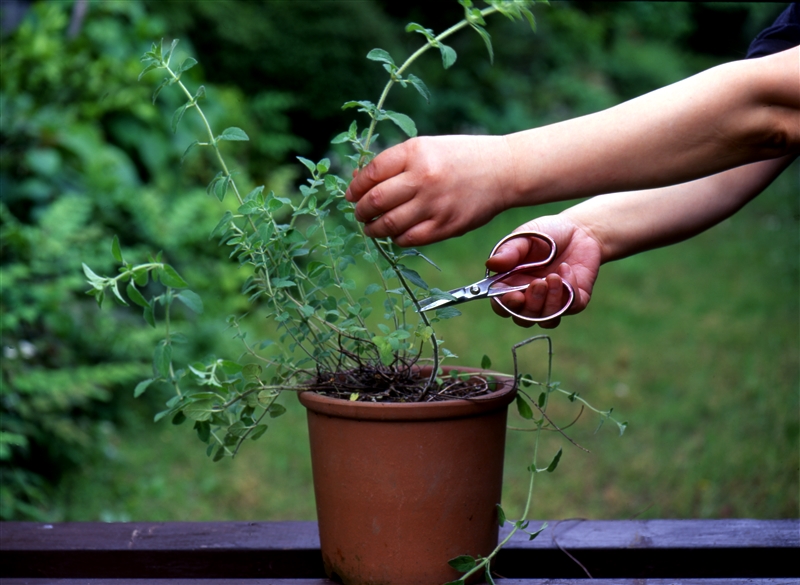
695 345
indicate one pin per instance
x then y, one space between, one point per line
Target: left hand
577 261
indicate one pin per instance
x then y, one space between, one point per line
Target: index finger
386 165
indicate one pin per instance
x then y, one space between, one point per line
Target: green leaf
187 64
222 227
554 463
234 134
405 123
308 164
448 55
420 86
532 535
258 432
157 90
524 408
447 313
462 563
203 429
162 359
487 39
171 278
142 386
116 251
501 516
149 315
380 55
189 148
412 276
178 418
486 363
178 115
191 300
542 399
276 410
199 410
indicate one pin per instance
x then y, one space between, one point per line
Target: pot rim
409 411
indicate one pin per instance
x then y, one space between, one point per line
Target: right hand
577 261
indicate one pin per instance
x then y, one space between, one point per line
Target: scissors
492 286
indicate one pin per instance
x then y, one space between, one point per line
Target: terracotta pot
403 488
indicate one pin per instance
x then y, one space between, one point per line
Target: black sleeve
783 34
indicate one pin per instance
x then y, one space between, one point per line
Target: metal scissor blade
451 297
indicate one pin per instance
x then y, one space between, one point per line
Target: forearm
728 116
631 222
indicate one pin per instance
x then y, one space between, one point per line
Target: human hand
428 189
577 261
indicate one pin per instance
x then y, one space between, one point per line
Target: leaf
276 410
380 55
234 134
308 164
462 563
487 39
524 408
187 64
162 359
149 315
486 363
542 399
222 227
412 276
420 86
178 418
142 386
178 115
199 410
135 296
203 430
171 278
448 55
554 463
189 148
405 123
501 516
532 535
191 300
158 89
447 313
258 431
116 251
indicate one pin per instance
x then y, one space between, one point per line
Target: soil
406 384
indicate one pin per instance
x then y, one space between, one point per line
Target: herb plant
335 334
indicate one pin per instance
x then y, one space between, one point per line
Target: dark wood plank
677 549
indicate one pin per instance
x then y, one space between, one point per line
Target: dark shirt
783 34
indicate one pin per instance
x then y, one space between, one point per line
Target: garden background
696 345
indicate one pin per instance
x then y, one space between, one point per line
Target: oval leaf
233 133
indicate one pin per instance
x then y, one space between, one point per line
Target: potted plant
406 452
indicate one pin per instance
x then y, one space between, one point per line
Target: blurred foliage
84 155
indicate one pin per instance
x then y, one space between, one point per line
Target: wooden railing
651 552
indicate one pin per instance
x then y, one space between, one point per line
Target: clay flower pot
403 488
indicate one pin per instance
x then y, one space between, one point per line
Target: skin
676 161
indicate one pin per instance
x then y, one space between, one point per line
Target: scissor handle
529 266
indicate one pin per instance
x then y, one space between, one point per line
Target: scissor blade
453 297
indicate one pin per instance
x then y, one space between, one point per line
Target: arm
429 189
611 227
